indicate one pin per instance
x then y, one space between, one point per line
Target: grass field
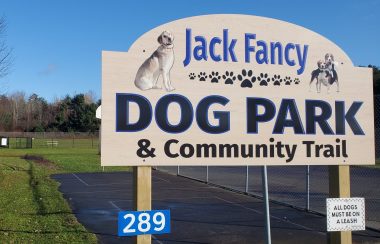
32 210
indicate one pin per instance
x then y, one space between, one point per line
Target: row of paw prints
245 78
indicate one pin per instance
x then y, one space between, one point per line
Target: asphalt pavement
200 213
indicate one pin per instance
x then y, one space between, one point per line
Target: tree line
19 112
33 113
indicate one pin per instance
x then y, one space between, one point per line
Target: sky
57 44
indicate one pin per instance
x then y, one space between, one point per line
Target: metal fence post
264 178
178 170
207 174
246 179
307 188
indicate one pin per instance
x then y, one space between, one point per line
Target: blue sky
57 44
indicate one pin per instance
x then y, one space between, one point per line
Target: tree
82 115
18 110
376 79
5 51
5 114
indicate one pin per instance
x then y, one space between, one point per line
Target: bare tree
5 51
90 97
18 110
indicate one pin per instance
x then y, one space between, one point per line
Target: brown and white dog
159 63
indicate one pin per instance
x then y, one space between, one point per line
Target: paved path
200 213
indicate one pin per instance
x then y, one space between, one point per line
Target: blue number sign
143 222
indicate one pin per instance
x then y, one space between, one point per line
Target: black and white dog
329 60
325 74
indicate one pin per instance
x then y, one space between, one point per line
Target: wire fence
51 139
299 186
305 187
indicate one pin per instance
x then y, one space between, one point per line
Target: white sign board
4 142
345 214
98 113
235 90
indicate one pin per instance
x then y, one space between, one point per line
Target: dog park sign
235 90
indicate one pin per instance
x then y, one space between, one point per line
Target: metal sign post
266 202
207 174
246 179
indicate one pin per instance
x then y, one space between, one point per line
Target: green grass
32 210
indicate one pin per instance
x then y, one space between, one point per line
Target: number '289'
144 222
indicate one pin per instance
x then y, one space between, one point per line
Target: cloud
50 69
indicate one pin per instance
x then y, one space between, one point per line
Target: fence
305 187
51 139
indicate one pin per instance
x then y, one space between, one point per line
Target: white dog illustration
159 63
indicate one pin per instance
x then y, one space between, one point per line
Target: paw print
296 81
276 80
287 80
215 77
229 78
263 79
246 78
192 76
202 76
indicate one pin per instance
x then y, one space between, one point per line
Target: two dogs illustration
325 74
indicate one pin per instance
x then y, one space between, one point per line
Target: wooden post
142 180
339 186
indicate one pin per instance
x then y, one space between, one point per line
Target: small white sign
98 114
345 214
4 142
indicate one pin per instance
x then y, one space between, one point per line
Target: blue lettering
200 51
228 49
188 48
263 52
248 47
301 58
273 47
213 42
289 61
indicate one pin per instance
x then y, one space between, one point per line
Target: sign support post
339 186
142 186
